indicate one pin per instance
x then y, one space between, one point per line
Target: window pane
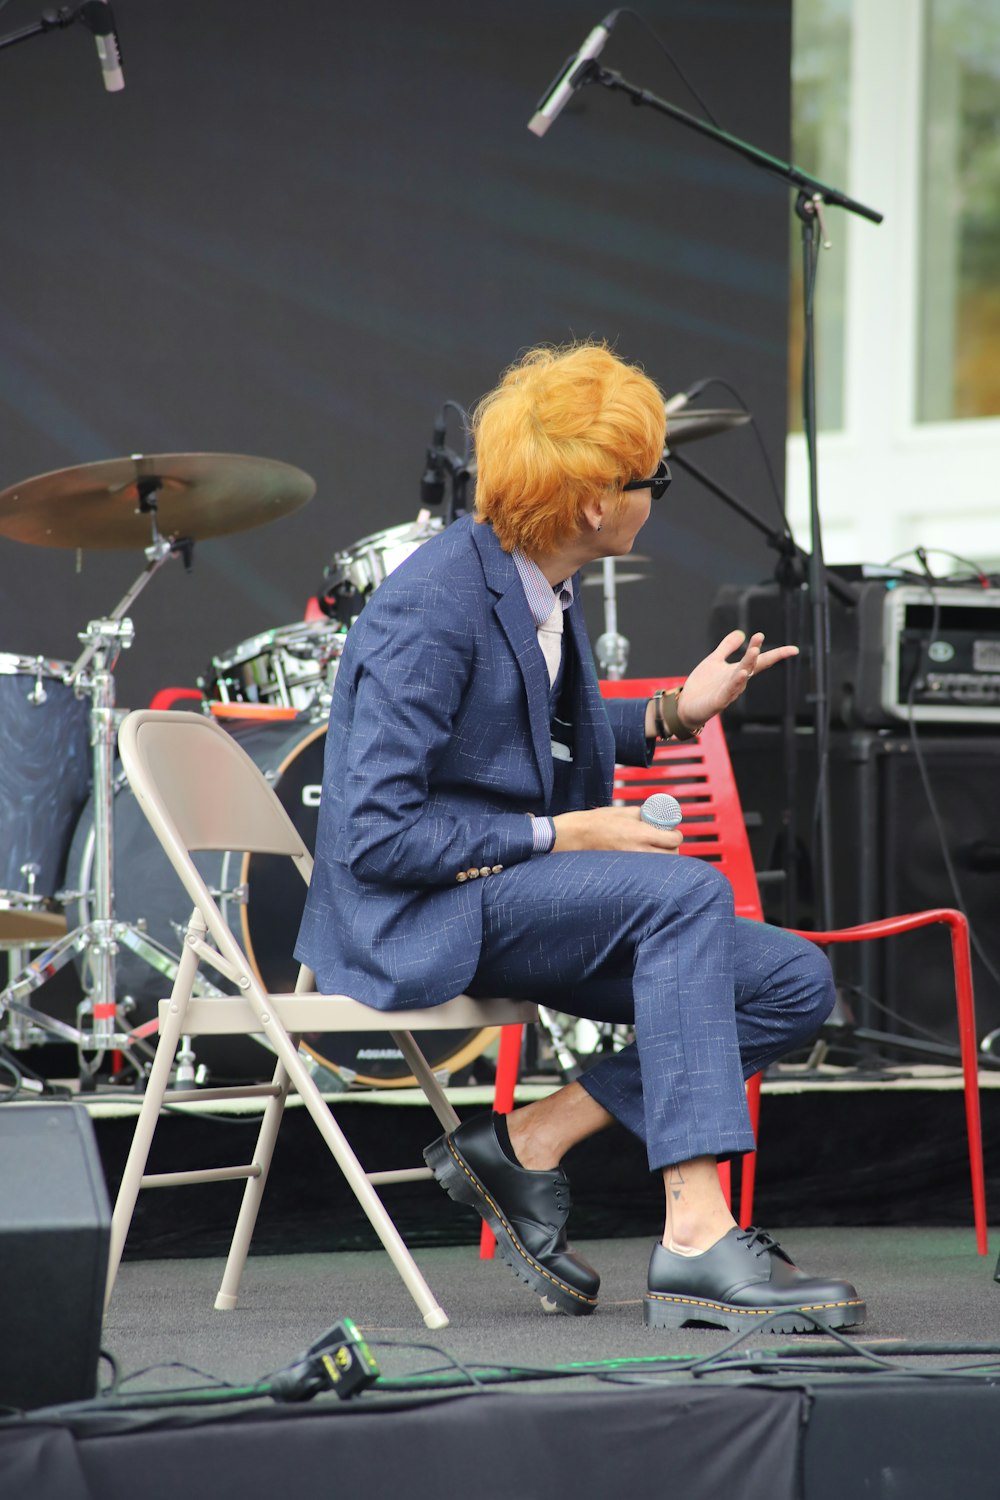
821 44
959 363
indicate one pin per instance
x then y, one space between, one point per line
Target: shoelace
759 1241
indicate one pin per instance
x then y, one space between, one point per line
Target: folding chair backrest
200 790
700 775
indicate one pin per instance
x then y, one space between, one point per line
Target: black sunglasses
657 485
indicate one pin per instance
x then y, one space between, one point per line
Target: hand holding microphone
649 829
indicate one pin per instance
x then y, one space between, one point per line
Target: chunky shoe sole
463 1186
660 1310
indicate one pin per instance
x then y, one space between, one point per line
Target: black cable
466 432
626 10
915 1026
212 1382
16 1075
727 385
921 553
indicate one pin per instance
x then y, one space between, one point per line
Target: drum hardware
123 503
443 461
576 1042
292 667
352 576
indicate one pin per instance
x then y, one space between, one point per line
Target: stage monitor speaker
887 857
963 776
55 1228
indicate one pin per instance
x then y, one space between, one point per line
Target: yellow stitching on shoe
752 1312
540 1269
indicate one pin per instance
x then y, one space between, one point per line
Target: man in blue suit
466 842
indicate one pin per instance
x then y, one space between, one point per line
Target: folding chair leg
424 1074
395 1246
145 1125
229 1289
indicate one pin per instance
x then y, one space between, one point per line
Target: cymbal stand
611 649
100 936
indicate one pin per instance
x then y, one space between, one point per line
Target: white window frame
887 482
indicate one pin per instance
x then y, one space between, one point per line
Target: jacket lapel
514 618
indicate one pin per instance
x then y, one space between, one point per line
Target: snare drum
354 575
262 898
45 770
291 667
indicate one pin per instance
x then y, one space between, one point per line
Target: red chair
699 774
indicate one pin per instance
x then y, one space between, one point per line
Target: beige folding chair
200 791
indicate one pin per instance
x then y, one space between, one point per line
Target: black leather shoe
527 1211
745 1276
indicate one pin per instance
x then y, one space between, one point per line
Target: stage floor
922 1286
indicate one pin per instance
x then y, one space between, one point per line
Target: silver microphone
661 810
99 18
561 91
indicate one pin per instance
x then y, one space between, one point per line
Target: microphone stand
790 573
812 195
50 20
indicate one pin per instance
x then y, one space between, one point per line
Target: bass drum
262 898
44 771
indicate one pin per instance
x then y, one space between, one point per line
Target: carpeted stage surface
818 1427
591 1406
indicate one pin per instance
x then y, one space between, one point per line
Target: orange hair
564 426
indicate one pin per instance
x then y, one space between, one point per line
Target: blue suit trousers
652 940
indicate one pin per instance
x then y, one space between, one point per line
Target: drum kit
82 880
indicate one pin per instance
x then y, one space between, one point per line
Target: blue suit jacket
439 744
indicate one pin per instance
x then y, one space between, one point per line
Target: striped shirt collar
541 596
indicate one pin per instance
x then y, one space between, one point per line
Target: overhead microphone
566 82
661 811
432 483
98 17
674 404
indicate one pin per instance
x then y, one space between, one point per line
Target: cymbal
694 423
595 580
199 495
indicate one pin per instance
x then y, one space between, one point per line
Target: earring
598 527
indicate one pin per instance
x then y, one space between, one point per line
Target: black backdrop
302 226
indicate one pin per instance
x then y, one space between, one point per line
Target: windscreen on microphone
661 810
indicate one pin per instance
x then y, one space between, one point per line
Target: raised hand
715 682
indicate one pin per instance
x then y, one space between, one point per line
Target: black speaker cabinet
55 1228
887 856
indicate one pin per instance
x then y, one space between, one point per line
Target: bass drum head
44 771
262 898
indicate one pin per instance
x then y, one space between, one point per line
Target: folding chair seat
699 774
201 791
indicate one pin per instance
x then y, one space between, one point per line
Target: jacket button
486 870
473 874
496 869
461 876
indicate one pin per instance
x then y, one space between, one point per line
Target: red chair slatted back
699 774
